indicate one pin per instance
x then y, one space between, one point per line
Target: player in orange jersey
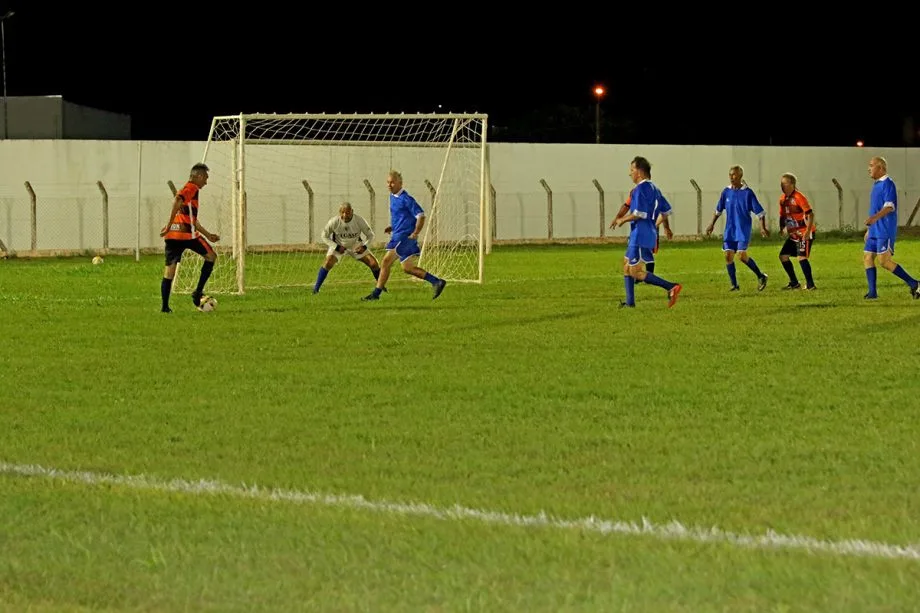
183 231
797 223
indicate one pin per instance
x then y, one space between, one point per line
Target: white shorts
357 256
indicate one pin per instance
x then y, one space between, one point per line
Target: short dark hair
200 167
642 164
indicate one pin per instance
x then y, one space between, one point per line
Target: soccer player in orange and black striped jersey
183 231
797 222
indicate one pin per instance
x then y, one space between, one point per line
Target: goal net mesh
276 180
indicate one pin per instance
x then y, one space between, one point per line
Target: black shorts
797 248
175 249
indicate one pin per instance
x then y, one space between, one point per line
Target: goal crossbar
374 116
355 143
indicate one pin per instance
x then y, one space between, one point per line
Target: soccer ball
207 304
97 260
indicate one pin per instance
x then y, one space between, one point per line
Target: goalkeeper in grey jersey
347 234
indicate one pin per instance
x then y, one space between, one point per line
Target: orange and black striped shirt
792 211
182 226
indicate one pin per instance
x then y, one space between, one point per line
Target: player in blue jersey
883 230
643 234
739 202
407 219
661 216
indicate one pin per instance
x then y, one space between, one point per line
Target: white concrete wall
64 175
521 208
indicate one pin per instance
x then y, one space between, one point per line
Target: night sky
173 67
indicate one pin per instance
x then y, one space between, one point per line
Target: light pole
6 129
599 92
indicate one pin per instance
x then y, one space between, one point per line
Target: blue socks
902 275
651 279
753 266
656 280
431 278
871 274
631 289
731 274
320 277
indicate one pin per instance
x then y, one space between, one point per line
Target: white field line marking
670 531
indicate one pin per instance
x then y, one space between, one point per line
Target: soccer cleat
871 296
166 310
762 284
735 288
791 285
672 295
438 288
196 298
371 296
626 305
809 288
915 292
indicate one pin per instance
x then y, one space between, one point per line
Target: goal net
276 180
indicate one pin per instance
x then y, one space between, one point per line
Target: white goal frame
237 250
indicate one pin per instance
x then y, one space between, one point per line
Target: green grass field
482 432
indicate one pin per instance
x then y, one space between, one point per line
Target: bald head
346 212
878 167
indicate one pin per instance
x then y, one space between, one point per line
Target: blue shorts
879 245
734 246
405 247
636 254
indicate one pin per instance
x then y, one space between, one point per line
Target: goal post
276 180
